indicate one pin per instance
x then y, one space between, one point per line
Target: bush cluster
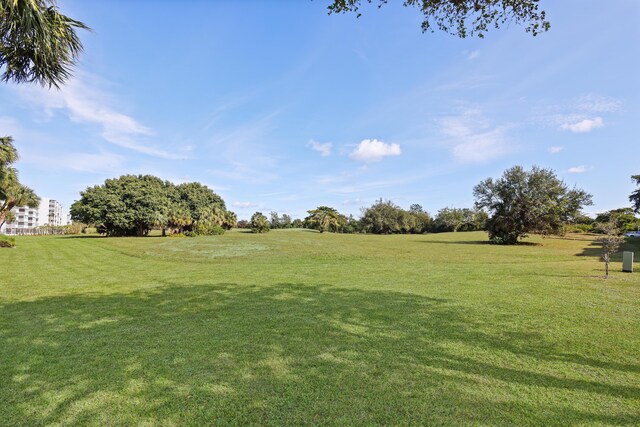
7 242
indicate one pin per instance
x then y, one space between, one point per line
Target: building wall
26 218
43 212
49 212
56 215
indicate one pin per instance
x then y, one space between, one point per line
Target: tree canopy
464 18
12 192
37 42
522 202
259 223
622 218
132 205
634 198
323 218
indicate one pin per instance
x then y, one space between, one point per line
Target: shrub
7 242
205 230
212 230
259 223
76 228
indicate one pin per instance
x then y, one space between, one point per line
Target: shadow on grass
285 354
476 242
82 236
595 249
247 230
102 236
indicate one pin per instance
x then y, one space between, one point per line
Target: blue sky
278 106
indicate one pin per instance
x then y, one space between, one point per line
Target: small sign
627 262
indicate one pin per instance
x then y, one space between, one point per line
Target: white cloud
324 148
577 169
555 149
372 150
244 205
84 103
580 114
472 138
474 54
598 104
582 126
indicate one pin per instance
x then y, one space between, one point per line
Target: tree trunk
5 212
606 265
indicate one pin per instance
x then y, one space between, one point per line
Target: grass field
296 327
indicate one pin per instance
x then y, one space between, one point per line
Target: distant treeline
624 220
519 203
383 217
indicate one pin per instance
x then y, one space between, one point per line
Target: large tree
12 192
460 219
423 221
634 198
523 202
134 204
451 219
37 42
206 209
127 206
323 218
385 217
464 17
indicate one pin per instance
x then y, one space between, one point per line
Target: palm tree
8 174
230 220
37 43
17 195
12 193
259 223
178 219
8 152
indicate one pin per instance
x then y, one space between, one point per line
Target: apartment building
49 212
52 211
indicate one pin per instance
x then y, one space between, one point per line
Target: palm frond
37 43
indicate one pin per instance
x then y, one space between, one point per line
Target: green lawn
296 327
